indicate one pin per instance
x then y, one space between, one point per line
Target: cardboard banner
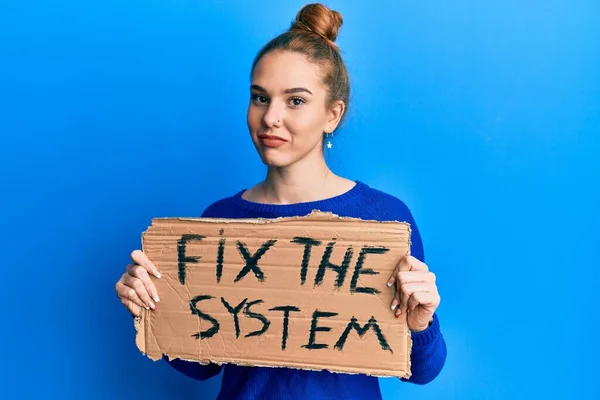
303 292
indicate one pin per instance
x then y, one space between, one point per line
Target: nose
273 116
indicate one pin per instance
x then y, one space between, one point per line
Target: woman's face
288 111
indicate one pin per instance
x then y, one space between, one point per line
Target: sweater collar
338 202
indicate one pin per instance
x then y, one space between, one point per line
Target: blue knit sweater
257 383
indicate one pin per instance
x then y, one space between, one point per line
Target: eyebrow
287 91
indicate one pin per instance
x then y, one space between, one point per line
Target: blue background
482 116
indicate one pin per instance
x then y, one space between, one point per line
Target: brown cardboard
275 281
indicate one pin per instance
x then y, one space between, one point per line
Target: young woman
298 95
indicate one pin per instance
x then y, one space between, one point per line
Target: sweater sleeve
193 369
428 354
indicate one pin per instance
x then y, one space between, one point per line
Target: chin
270 159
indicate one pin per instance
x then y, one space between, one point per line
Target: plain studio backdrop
483 116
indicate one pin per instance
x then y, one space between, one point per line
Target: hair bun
319 19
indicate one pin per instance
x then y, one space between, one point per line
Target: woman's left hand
416 293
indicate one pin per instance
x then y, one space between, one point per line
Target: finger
401 266
415 265
408 263
133 308
394 276
415 276
140 289
139 257
392 279
141 273
129 295
421 298
404 277
404 293
406 290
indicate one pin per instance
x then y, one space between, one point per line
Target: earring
329 145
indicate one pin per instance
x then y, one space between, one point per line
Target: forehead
283 70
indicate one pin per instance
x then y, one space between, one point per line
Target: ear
334 115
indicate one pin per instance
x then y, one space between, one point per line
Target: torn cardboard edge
306 367
142 324
314 215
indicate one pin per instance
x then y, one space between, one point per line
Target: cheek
253 118
308 124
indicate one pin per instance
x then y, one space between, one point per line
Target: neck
303 181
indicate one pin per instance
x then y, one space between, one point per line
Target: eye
259 99
296 101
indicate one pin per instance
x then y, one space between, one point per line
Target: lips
271 140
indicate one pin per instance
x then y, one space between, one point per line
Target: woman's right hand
135 288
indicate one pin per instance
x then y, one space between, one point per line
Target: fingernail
147 308
152 305
158 275
398 311
389 284
394 304
156 299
